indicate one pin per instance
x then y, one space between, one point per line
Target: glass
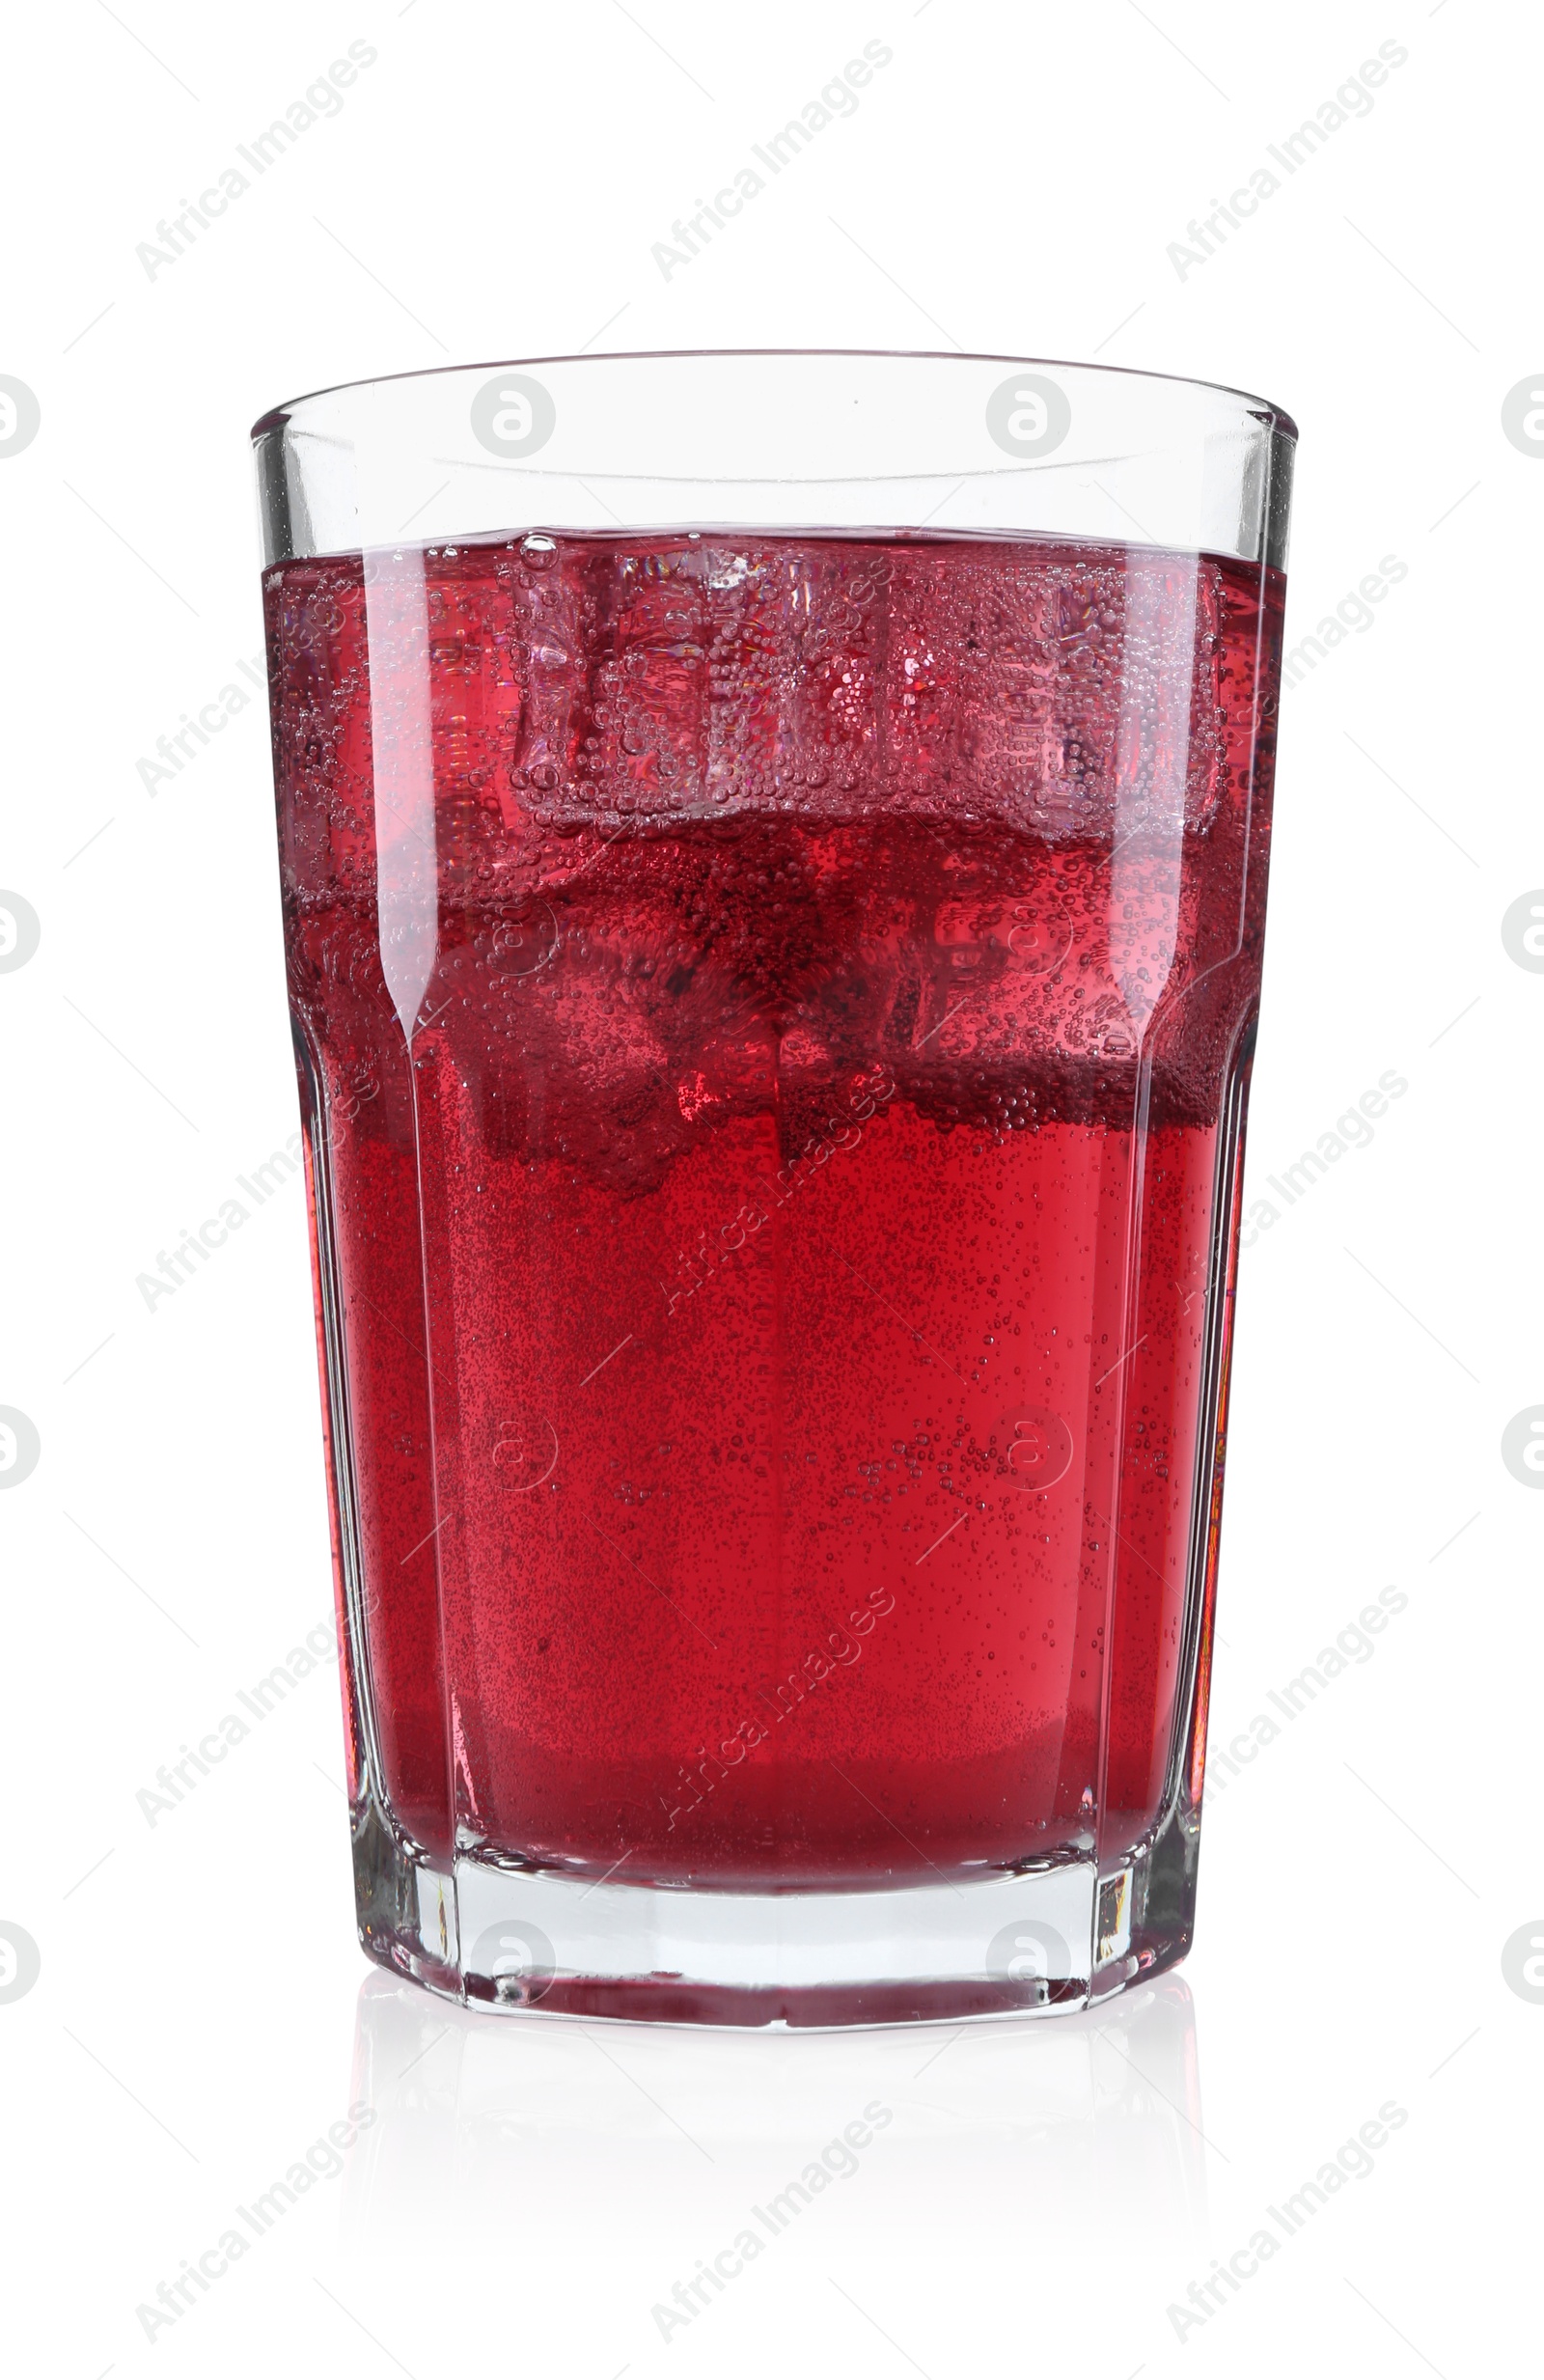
774 853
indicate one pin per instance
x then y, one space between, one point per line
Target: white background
527 2192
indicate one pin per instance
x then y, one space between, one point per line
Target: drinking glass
772 851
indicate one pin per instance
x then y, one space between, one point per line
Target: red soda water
776 1310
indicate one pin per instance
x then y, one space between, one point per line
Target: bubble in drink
843 957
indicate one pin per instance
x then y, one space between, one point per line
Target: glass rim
1262 408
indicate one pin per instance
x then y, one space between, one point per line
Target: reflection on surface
1082 2132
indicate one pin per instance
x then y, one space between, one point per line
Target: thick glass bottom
529 1940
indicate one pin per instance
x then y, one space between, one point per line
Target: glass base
524 1939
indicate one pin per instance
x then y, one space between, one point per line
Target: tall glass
774 853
